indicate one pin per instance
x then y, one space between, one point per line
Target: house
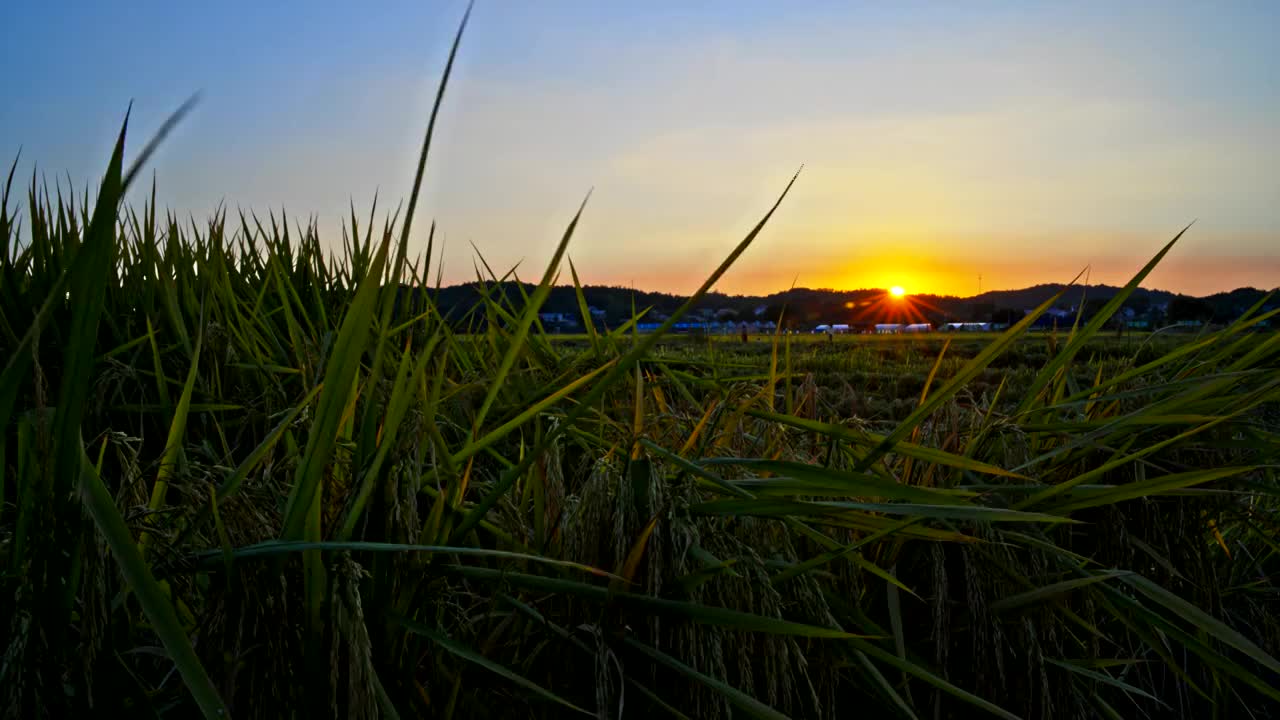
1266 309
680 328
557 322
889 328
918 328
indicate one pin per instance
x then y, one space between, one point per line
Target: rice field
241 477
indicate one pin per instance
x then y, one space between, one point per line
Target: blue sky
940 140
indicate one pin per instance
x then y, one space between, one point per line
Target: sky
941 143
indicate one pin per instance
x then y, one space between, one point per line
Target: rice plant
246 475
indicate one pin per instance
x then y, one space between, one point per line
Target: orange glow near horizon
923 271
897 291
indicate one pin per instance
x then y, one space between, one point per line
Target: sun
897 291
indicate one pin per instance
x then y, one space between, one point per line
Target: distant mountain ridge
1030 297
614 304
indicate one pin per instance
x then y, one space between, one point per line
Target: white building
969 326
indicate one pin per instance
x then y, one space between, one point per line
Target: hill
612 305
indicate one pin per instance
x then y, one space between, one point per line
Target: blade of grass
773 507
694 612
155 604
739 699
913 669
173 445
1054 590
906 449
465 653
